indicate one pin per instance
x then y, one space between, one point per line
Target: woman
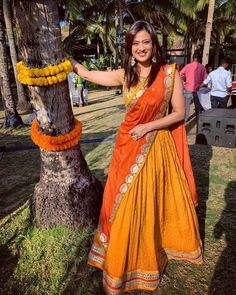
148 213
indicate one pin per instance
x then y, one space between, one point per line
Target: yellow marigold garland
56 143
43 76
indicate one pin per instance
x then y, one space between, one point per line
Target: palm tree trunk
67 193
207 42
164 44
22 103
12 118
194 46
217 49
121 29
116 56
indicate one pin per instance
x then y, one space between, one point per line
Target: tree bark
217 48
164 44
194 46
207 42
67 193
22 103
12 118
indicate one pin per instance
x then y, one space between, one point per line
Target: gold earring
133 61
154 60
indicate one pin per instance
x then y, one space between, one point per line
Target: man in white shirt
221 85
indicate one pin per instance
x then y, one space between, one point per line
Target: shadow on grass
200 157
81 278
13 229
8 263
19 172
20 165
224 277
120 107
102 98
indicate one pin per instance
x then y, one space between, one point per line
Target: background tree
223 24
207 42
22 103
12 118
67 193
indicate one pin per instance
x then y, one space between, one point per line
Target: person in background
79 88
204 93
209 68
221 85
85 93
193 75
72 90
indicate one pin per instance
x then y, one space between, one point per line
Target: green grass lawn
53 261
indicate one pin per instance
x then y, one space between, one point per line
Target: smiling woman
148 213
142 48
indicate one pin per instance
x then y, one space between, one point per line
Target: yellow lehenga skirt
155 221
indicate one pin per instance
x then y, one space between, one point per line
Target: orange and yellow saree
148 214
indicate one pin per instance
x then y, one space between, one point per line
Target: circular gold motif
129 178
139 159
123 188
168 81
169 70
103 238
145 148
140 92
119 198
134 169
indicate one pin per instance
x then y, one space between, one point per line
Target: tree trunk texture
194 46
121 29
12 118
164 45
207 42
67 193
22 102
217 48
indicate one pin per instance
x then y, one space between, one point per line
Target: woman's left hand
139 131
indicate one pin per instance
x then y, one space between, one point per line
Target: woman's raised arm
105 78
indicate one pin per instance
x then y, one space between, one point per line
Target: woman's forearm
78 68
166 121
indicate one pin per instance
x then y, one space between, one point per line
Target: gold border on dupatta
133 94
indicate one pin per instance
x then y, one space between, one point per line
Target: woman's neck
144 70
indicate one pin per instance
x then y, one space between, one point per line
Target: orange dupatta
129 155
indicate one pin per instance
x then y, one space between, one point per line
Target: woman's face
142 47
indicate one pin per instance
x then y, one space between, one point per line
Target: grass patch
51 261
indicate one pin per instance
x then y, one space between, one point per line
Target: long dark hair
131 74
